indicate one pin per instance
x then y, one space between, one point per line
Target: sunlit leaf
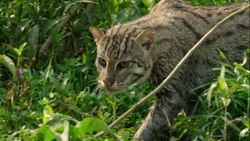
46 111
222 76
17 51
209 93
64 136
240 67
25 23
22 46
244 133
147 2
9 64
33 39
68 4
248 50
246 86
45 101
246 123
225 101
45 132
84 59
221 86
114 4
90 124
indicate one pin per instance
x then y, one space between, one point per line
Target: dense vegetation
48 79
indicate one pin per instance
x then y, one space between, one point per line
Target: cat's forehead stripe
117 41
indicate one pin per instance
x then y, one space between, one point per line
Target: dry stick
48 42
70 39
117 121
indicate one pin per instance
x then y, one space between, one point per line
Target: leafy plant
48 78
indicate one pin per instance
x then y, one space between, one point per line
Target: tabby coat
154 44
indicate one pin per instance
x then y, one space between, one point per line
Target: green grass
55 96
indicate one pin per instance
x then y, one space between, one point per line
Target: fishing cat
153 45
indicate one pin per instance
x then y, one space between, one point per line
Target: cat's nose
108 82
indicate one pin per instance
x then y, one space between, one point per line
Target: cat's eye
123 64
102 62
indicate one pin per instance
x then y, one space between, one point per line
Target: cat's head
123 57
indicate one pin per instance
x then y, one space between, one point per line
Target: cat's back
166 6
200 17
186 25
193 22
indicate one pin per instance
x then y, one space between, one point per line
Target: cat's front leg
161 115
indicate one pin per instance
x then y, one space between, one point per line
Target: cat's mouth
114 89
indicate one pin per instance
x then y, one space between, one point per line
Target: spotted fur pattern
152 46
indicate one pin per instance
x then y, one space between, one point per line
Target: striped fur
153 45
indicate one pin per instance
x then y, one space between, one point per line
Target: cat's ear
146 38
97 33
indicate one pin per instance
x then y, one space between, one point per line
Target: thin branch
117 121
71 39
48 42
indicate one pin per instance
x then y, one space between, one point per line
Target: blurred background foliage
48 78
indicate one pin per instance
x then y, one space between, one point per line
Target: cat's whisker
94 83
96 90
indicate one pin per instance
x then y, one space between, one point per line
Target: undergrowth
51 94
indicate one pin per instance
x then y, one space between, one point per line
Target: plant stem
225 124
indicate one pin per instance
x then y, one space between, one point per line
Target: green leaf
45 101
90 124
244 58
240 67
33 40
248 50
64 136
122 16
52 23
17 51
68 4
246 123
243 133
222 73
233 90
115 3
28 6
147 2
84 59
222 76
223 55
225 101
22 46
246 86
222 87
55 35
46 111
209 93
56 83
222 82
45 133
25 23
9 64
